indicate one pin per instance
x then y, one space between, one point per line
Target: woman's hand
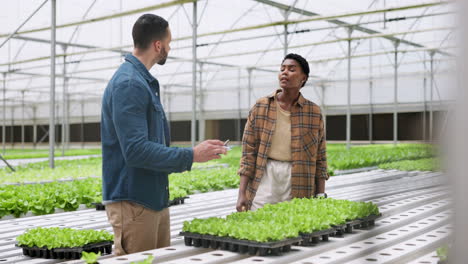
241 205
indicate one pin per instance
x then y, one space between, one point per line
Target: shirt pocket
310 143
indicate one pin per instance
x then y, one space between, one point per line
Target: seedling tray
67 253
359 223
309 239
369 220
176 201
99 206
239 245
277 247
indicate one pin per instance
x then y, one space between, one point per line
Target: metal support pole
424 137
52 86
201 112
238 123
82 125
12 130
249 71
385 15
323 107
22 119
194 73
395 96
4 114
64 102
34 139
371 108
285 39
67 125
431 111
348 94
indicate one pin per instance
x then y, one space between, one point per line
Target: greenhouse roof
233 39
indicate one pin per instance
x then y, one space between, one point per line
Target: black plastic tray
369 220
275 248
309 239
67 253
239 245
99 206
176 201
359 223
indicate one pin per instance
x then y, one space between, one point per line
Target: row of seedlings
272 230
64 243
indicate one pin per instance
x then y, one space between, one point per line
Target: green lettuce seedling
149 260
91 257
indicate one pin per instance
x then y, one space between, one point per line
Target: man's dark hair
148 28
302 62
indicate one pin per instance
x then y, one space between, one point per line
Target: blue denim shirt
136 157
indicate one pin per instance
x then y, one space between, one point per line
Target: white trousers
275 185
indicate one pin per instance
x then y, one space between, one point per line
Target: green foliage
45 198
64 169
338 159
55 237
283 220
91 257
44 153
431 164
203 180
371 155
442 253
149 260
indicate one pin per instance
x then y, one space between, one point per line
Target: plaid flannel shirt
308 146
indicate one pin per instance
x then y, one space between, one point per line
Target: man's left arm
321 172
129 113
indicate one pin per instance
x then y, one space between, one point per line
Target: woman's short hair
302 62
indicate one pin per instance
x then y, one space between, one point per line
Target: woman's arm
248 160
242 197
321 172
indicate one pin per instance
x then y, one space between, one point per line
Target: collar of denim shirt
140 67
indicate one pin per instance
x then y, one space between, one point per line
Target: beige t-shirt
281 140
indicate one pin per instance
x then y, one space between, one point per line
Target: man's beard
164 57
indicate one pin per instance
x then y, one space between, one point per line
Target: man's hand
208 150
241 202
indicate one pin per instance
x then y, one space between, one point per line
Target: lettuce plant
442 253
91 257
55 237
283 220
431 164
45 198
148 260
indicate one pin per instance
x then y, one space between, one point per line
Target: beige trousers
137 228
275 185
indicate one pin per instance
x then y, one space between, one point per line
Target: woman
283 147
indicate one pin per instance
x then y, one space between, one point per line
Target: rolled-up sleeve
321 163
249 147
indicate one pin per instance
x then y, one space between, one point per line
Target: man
135 136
